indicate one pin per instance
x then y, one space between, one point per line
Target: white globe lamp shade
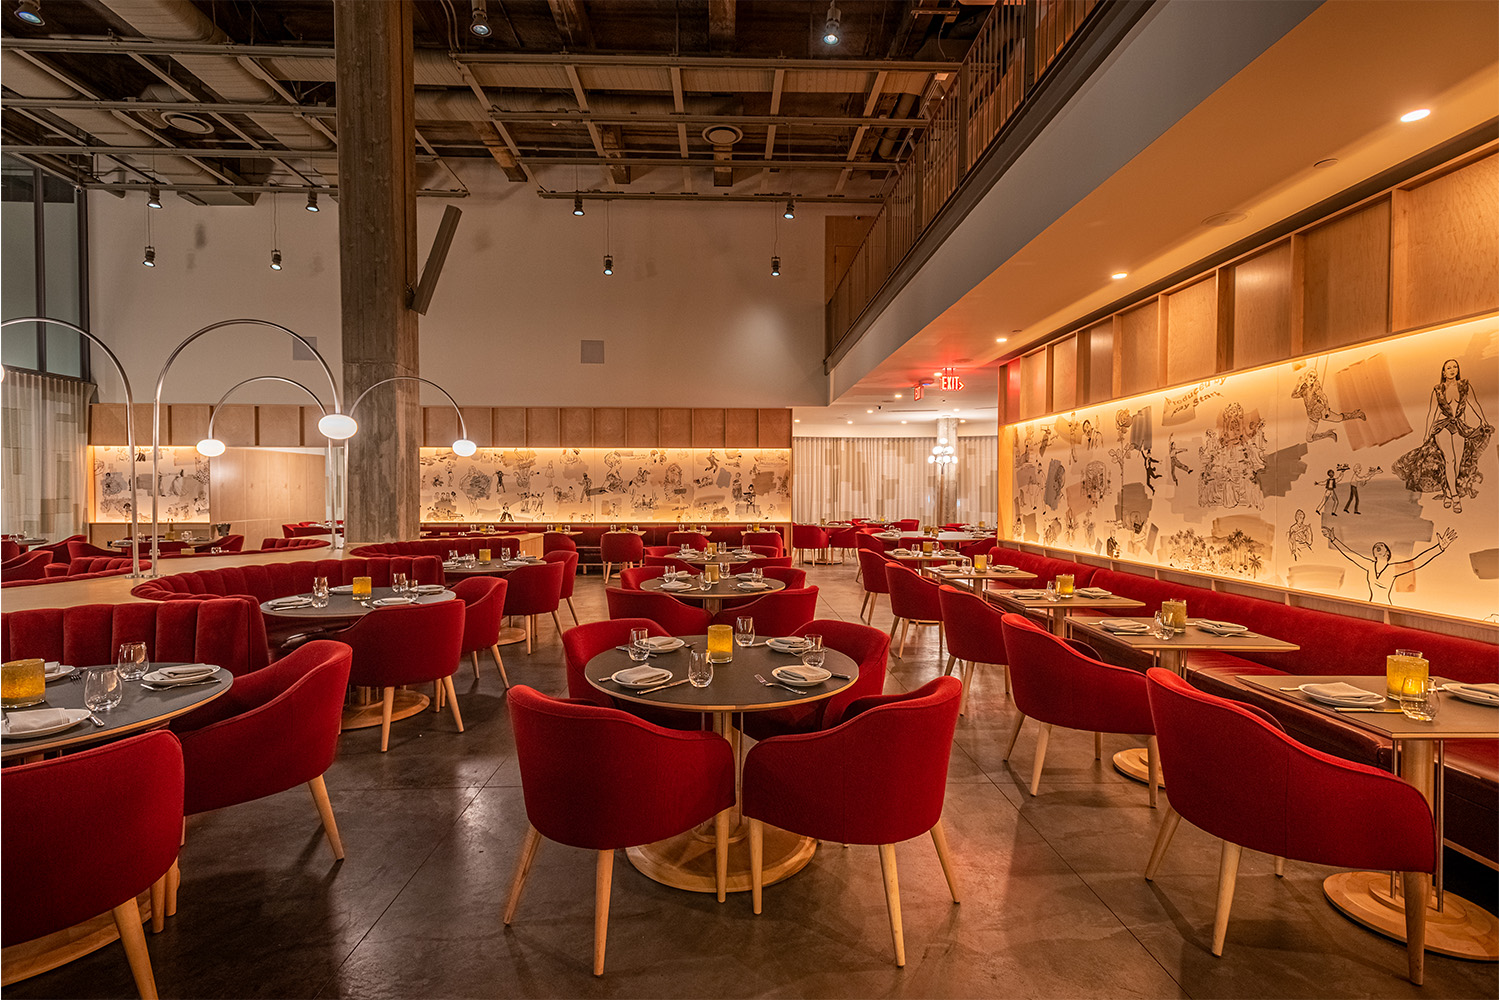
463 447
210 447
337 426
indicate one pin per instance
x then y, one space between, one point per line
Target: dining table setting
712 593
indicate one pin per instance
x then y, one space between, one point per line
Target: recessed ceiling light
964 421
903 421
1325 162
1120 274
869 411
1001 340
898 395
796 420
848 421
1417 115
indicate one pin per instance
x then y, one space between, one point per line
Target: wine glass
700 669
744 631
813 655
131 660
399 583
640 648
102 688
320 592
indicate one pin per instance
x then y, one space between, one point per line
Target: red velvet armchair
411 645
866 646
781 613
914 601
1057 685
88 833
877 778
600 779
632 577
484 609
569 560
972 627
225 631
623 548
808 536
535 590
694 540
668 612
872 563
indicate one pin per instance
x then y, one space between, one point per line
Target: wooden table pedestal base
32 958
1462 930
686 861
1132 764
510 635
363 716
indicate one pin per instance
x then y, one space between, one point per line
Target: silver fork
777 684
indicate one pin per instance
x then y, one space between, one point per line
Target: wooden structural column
378 262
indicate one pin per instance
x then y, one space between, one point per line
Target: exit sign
950 382
917 390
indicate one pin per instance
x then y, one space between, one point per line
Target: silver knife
663 687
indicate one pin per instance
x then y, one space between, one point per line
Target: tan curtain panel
45 450
889 477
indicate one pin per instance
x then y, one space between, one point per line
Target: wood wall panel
708 428
1139 349
313 438
1263 307
675 427
439 426
107 424
1101 341
1447 236
188 423
1065 373
576 426
1192 331
641 428
1033 401
775 428
542 429
235 426
509 426
610 427
1346 279
280 426
478 421
741 428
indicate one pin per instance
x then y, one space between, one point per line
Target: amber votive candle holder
1175 613
711 572
1401 666
980 560
720 643
23 682
361 586
1065 587
484 555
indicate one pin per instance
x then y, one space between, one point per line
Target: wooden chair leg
905 624
1229 867
1005 668
863 605
1280 867
557 622
1041 755
128 921
1153 770
437 696
174 879
325 812
458 719
757 858
1415 887
893 899
721 852
948 668
940 841
966 679
606 572
504 677
159 904
530 624
603 871
523 868
1099 748
1163 838
385 717
475 654
894 622
1015 734
572 610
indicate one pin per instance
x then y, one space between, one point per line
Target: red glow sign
917 391
950 381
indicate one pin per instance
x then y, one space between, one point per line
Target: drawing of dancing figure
1315 398
1380 573
1439 465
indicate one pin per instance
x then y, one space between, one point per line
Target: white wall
691 315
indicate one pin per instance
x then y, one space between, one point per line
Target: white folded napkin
38 719
1220 628
1489 689
951 569
663 642
788 643
642 675
343 588
1343 692
290 602
1124 626
187 670
900 552
1094 592
1025 595
430 588
751 585
804 673
676 585
53 670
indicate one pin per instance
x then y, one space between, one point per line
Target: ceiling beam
616 175
513 169
777 82
572 23
812 199
871 103
700 161
682 140
191 152
721 23
326 189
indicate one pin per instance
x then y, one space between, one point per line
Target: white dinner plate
289 602
1123 625
664 643
430 588
661 676
56 671
1475 693
676 585
67 719
751 585
1209 623
163 679
801 675
788 644
1323 693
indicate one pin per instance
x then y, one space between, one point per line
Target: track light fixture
833 28
30 11
479 19
312 201
578 204
790 212
775 267
609 264
148 259
153 197
275 260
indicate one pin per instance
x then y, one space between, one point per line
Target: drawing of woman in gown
1447 461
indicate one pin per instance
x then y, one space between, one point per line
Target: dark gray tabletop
1456 719
719 591
703 557
734 687
140 708
495 567
345 606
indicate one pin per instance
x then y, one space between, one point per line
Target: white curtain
45 453
889 478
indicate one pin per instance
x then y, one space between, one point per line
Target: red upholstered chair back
866 540
878 778
59 549
92 564
81 549
632 577
229 543
913 596
621 547
972 626
668 562
872 571
598 778
484 609
534 589
87 832
9 550
769 551
1054 683
671 614
794 578
301 530
268 580
26 566
275 729
907 524
781 613
275 544
756 540
584 642
1234 774
843 538
229 633
569 560
394 646
809 536
692 538
556 541
868 647
978 547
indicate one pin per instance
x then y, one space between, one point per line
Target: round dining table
713 598
722 556
686 861
140 708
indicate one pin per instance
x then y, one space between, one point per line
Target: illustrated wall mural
181 486
1369 473
605 484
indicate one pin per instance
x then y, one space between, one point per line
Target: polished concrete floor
1054 904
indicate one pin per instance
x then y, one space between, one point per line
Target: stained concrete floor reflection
1054 904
